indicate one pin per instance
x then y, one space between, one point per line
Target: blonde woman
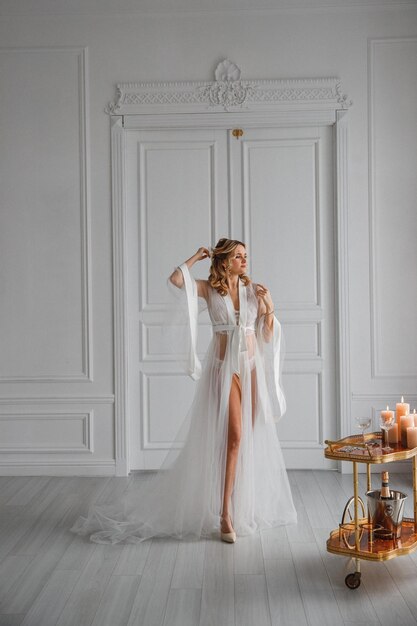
230 472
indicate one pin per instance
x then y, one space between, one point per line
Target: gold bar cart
356 537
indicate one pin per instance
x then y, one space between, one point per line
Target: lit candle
412 437
415 417
387 414
392 434
405 421
402 408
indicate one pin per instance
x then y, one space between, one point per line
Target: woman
230 471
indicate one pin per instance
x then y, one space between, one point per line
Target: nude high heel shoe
228 537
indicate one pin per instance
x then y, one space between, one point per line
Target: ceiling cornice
19 8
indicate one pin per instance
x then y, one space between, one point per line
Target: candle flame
387 407
402 398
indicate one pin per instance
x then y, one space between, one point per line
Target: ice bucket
386 513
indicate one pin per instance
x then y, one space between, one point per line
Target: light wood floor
283 576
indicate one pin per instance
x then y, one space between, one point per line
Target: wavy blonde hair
219 262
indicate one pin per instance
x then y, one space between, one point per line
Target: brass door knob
237 132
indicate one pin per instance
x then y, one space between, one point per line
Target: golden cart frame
356 536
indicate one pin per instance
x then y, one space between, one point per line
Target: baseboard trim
106 468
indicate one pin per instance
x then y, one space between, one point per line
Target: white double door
273 189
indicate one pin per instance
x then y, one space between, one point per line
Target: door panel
280 204
279 185
286 205
176 201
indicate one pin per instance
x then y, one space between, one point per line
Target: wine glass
387 422
363 423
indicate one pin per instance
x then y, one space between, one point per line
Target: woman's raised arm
177 278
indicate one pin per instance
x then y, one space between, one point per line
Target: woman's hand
177 278
202 253
267 311
264 296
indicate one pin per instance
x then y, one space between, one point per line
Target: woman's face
238 261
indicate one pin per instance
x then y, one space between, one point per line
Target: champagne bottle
385 490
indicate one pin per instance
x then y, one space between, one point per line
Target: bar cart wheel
353 580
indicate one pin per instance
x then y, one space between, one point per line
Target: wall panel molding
121 325
145 306
340 139
278 119
393 397
378 371
316 443
12 466
33 400
150 354
309 142
82 85
147 444
84 446
147 354
315 351
85 217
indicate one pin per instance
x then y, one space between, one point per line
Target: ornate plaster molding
227 92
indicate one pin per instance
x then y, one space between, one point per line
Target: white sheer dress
184 498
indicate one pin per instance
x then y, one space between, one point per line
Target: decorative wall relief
228 92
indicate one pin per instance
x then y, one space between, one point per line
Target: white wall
58 71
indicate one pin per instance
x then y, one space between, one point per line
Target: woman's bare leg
233 441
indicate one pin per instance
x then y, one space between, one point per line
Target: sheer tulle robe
184 498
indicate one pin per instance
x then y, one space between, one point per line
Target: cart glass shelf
342 541
353 448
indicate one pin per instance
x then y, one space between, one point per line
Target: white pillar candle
393 436
402 408
406 421
387 414
412 437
